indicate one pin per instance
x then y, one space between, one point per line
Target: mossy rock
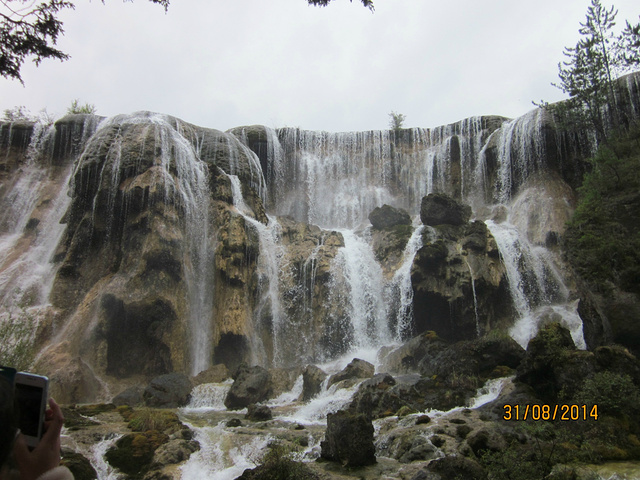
74 420
132 454
79 465
145 419
95 409
404 411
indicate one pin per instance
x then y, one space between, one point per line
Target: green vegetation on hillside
603 237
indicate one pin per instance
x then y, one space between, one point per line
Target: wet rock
251 385
216 374
457 467
349 439
173 452
79 465
460 285
312 379
74 420
419 449
387 216
486 440
168 391
546 366
357 369
438 209
132 396
283 379
258 413
133 453
234 422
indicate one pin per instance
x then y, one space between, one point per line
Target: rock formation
172 247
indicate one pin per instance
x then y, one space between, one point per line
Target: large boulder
456 466
552 363
251 385
168 391
349 439
460 285
132 396
355 370
439 209
258 413
312 379
387 216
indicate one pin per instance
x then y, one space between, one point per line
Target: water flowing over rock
143 245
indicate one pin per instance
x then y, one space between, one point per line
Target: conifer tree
590 69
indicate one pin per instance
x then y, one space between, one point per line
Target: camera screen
28 402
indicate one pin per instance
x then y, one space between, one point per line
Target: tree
591 68
324 3
28 30
32 30
396 120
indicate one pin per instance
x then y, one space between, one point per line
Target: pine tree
590 69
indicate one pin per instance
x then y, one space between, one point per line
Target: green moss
132 454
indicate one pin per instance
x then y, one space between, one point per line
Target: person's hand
46 455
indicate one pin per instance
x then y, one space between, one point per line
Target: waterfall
399 291
359 276
537 289
31 215
270 305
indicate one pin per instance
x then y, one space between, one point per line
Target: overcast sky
226 63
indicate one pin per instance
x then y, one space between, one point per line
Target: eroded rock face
460 286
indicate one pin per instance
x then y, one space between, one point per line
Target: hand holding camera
46 455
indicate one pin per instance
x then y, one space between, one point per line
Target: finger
53 427
21 452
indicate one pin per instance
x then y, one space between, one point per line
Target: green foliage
613 393
76 108
603 236
589 70
396 121
16 339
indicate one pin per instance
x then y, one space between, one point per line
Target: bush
277 464
16 339
614 394
76 108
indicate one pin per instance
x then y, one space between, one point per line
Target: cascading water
399 291
359 275
31 215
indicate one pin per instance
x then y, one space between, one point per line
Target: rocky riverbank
445 409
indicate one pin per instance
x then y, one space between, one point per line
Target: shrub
613 393
16 339
76 108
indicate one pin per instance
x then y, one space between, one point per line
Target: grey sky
226 63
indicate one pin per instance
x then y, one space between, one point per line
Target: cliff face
144 245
